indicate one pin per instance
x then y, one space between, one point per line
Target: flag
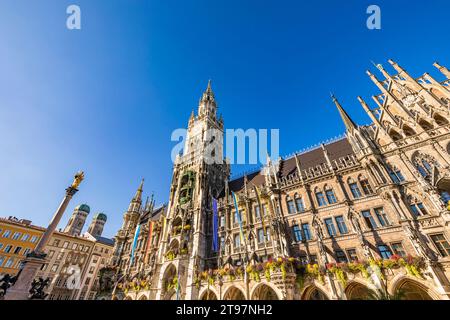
215 226
238 216
135 240
149 240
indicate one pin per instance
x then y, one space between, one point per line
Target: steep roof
310 159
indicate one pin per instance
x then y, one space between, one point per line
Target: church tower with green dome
78 219
97 224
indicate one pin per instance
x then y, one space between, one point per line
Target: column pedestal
21 289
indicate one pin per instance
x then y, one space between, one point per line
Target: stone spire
442 69
349 124
207 104
135 204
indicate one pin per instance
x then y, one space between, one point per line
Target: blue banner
133 249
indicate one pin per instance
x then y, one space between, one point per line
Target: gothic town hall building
365 216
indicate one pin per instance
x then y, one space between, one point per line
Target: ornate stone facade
365 215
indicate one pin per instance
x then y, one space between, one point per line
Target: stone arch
425 124
127 298
440 120
209 294
313 293
395 135
265 291
167 282
357 291
234 293
142 297
408 131
412 289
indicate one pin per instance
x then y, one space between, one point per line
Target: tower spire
349 124
442 69
138 195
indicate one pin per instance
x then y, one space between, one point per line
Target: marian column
34 261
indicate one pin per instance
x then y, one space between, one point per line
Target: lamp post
36 259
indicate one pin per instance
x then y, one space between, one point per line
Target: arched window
408 131
395 174
440 120
395 135
417 207
330 195
320 197
365 185
425 125
354 188
299 203
424 164
290 205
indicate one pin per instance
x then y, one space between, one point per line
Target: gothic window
354 189
441 244
341 225
290 205
237 241
299 203
370 221
306 231
424 164
382 217
222 243
397 248
352 254
340 256
418 209
261 235
395 174
365 185
257 213
385 251
264 207
395 135
297 233
408 131
320 199
330 196
268 235
425 125
441 121
330 227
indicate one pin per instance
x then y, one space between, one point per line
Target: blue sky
106 98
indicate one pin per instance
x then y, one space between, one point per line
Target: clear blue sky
105 99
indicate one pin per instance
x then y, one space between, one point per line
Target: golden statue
77 179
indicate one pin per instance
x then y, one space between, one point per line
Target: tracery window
424 164
395 174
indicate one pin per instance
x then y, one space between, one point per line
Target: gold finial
77 179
